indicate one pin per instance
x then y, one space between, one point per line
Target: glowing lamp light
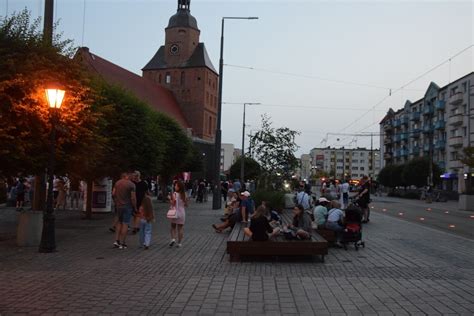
447 212
55 97
401 214
422 218
384 210
452 226
428 209
472 216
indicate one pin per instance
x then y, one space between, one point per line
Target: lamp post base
48 237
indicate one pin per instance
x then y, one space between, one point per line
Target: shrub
411 195
275 199
394 194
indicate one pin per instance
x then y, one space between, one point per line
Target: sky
319 67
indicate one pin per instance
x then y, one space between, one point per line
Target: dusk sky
320 66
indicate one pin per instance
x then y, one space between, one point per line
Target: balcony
456 98
440 124
404 136
456 141
426 148
415 116
397 123
396 153
404 120
415 133
456 119
388 126
403 152
427 129
396 138
440 105
415 151
387 156
428 110
456 164
440 144
387 140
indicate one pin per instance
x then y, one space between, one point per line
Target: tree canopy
414 172
252 169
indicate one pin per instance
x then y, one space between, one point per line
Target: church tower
183 66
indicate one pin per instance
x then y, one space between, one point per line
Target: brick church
179 80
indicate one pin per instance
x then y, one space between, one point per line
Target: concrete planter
30 227
466 202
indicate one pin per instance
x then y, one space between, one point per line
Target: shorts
20 197
124 214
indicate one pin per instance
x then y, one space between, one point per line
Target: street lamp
55 98
216 200
242 158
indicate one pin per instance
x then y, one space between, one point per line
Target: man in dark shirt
141 187
363 198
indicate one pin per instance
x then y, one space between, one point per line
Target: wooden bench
240 245
327 234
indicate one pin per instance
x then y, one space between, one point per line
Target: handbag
172 212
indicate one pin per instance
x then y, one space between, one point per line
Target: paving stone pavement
405 269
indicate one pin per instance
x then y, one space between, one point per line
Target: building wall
352 163
186 39
227 156
305 166
437 123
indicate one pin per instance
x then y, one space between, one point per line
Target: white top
303 199
345 187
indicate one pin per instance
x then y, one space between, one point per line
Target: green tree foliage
27 67
415 172
252 169
468 157
274 148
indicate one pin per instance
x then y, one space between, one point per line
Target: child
146 218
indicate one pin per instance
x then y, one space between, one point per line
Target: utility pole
371 169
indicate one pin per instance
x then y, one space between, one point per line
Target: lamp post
216 199
242 158
55 97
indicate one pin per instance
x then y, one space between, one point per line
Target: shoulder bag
172 212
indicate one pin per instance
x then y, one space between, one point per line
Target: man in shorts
126 203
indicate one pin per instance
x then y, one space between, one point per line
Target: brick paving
405 269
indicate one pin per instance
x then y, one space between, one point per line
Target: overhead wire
301 106
406 84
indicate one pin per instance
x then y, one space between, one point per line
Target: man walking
125 202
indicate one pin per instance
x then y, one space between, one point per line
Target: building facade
349 163
438 126
227 156
183 66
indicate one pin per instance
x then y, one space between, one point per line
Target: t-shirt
141 188
335 214
237 186
249 205
303 199
123 192
302 222
320 213
260 228
366 197
345 187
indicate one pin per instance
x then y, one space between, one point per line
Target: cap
245 193
323 199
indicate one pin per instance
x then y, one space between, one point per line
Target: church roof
183 18
199 58
156 96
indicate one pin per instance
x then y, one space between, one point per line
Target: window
340 160
182 77
355 168
362 161
453 91
339 168
347 160
362 154
207 97
167 78
210 125
464 131
362 168
454 155
464 87
355 161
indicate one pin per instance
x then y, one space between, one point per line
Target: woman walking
146 218
179 201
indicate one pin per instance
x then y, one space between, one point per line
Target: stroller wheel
363 244
356 246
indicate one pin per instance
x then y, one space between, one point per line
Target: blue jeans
145 232
334 226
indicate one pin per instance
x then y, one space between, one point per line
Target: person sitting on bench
335 221
260 228
230 220
301 225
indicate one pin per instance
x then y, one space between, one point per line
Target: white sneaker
172 242
179 246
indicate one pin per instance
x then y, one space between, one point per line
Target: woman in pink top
178 200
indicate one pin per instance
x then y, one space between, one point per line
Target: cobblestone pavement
405 269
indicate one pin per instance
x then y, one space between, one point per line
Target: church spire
183 5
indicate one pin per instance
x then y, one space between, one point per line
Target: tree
468 157
416 172
274 149
391 176
28 65
252 168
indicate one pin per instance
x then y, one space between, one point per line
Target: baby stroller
353 230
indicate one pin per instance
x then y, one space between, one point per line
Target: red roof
158 97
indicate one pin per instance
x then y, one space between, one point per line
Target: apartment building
441 123
351 163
